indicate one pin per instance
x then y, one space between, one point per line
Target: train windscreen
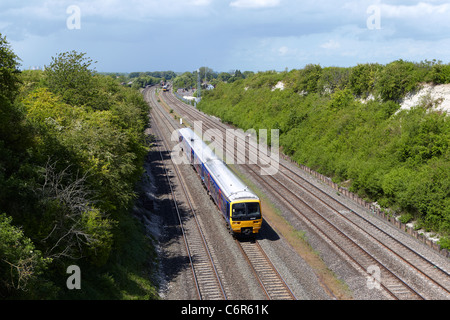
246 211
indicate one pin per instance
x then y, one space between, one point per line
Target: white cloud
414 11
331 44
143 10
283 50
201 2
255 3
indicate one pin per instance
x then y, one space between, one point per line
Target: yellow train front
245 217
240 207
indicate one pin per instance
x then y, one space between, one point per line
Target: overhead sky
256 35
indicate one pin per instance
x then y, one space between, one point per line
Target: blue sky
256 35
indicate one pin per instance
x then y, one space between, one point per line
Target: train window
238 210
246 211
253 208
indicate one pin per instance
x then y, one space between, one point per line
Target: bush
405 218
363 78
396 79
21 265
440 74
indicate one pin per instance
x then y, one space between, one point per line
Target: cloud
331 44
141 10
283 50
420 9
255 3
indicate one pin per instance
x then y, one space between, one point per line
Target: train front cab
245 217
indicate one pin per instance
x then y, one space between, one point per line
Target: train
165 88
239 206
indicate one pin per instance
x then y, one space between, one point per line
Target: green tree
440 73
186 80
397 79
69 76
363 78
12 133
9 72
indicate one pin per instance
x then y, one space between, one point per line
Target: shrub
20 264
397 79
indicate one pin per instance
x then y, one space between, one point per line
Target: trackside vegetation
72 149
347 123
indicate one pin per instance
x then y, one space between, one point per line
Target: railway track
271 282
404 272
274 286
208 284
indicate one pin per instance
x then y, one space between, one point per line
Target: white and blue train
240 207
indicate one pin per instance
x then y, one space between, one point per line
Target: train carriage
240 207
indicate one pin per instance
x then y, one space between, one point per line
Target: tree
77 228
9 72
237 76
224 76
15 134
186 80
397 79
69 75
11 117
362 79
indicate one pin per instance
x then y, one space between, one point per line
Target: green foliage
72 149
100 239
363 78
440 74
143 81
405 218
341 99
9 80
186 80
238 75
12 127
305 80
396 79
69 76
334 79
21 265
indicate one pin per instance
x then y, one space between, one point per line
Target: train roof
232 187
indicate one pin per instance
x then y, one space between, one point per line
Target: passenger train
240 207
